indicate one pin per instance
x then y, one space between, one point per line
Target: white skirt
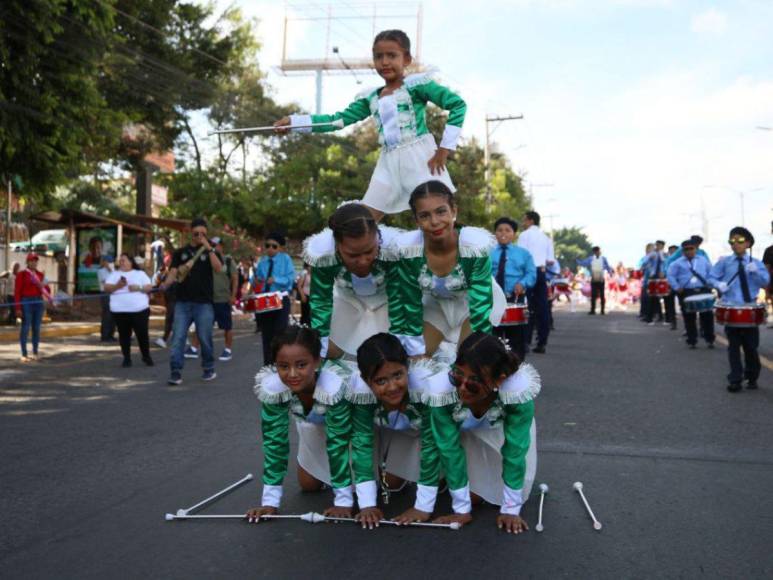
354 321
399 171
483 447
312 450
447 315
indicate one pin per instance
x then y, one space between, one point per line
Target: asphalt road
679 471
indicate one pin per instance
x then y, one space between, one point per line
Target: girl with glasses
482 418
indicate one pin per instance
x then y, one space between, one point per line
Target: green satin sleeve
338 430
409 298
321 298
394 296
446 99
517 428
362 442
479 293
358 110
275 427
449 445
429 469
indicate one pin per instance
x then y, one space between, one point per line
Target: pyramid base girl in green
409 153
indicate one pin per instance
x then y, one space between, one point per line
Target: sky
640 116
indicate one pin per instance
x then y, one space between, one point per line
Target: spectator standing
128 288
597 264
540 246
107 325
9 276
30 291
275 273
192 268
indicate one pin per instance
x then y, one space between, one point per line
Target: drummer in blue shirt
275 273
514 270
655 266
739 278
688 276
697 241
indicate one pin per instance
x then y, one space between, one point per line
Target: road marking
765 361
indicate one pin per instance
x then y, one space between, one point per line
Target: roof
83 219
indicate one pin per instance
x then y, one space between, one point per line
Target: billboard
92 245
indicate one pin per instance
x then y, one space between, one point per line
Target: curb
75 329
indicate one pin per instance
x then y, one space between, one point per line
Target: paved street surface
679 471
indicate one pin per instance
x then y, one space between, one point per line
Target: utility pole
8 228
550 217
487 153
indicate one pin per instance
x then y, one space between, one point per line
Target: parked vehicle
44 242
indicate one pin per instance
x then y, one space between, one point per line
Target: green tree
571 244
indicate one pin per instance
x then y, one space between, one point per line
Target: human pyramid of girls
399 379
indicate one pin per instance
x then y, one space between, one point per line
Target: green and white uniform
407 144
403 440
494 456
445 302
345 308
278 402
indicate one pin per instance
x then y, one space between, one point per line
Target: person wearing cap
107 325
675 255
275 273
513 269
656 269
739 278
687 276
192 269
597 264
30 290
225 285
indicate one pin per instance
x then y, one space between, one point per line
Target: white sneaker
160 342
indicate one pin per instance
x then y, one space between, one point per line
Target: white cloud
712 21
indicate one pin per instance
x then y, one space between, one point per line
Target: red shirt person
29 293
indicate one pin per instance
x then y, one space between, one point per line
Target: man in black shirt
192 267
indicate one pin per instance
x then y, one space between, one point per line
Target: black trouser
749 339
10 299
654 308
538 310
597 291
107 326
170 300
137 322
271 324
644 302
306 312
515 337
670 303
691 319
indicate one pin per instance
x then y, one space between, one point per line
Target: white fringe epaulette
319 250
269 388
388 236
330 388
522 387
419 372
408 244
366 93
419 78
475 242
439 392
358 392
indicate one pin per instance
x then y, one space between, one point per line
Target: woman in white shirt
128 288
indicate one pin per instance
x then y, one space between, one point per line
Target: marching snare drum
658 288
561 285
698 303
740 315
515 315
262 303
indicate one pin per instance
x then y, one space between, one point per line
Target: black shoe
691 345
538 349
603 313
710 345
673 327
734 387
592 312
148 361
127 362
752 385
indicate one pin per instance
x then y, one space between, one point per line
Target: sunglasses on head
737 240
457 379
271 245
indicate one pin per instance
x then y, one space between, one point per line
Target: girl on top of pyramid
409 154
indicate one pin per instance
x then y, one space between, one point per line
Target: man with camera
192 268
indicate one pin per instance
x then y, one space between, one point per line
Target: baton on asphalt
211 499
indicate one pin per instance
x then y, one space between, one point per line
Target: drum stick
338 124
578 488
215 497
543 488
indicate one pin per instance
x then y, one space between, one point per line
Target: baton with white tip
337 124
578 488
215 497
543 488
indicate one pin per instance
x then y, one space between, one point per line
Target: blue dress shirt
519 267
680 276
678 254
726 269
283 273
654 269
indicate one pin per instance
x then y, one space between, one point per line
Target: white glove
751 267
722 287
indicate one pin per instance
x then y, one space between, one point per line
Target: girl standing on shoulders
483 422
296 386
409 154
444 283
